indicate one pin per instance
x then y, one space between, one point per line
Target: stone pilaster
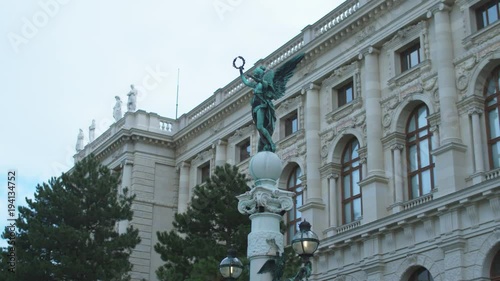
183 187
375 161
220 152
450 177
374 186
314 207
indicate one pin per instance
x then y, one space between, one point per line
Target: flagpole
177 98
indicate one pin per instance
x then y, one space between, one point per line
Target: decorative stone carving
264 199
462 73
258 242
203 157
241 133
288 105
429 229
365 33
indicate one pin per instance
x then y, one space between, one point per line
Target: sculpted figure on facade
92 131
267 86
79 141
132 99
117 110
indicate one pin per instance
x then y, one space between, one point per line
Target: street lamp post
304 243
231 267
266 204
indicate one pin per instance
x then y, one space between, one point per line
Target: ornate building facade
389 133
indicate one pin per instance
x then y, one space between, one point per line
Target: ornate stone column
264 203
126 183
477 139
182 204
220 152
450 156
313 143
334 200
398 177
374 185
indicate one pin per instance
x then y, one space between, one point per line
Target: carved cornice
200 125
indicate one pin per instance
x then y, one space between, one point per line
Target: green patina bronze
267 86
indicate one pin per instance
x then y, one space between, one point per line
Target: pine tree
201 236
68 232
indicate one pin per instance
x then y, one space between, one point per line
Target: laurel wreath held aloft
242 64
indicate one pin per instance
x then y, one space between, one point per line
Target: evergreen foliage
68 232
201 236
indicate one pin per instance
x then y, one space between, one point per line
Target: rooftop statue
132 99
79 142
117 110
267 85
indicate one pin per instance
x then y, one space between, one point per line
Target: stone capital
397 146
475 110
310 86
219 142
333 176
183 164
368 51
440 7
127 162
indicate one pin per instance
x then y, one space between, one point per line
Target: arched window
421 274
495 268
492 105
351 176
294 184
418 148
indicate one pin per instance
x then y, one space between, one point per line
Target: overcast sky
62 62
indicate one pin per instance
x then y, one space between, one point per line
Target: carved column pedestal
265 204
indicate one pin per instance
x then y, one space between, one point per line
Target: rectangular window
291 124
345 94
205 172
244 150
410 57
487 13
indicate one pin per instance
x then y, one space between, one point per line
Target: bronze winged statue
267 85
275 266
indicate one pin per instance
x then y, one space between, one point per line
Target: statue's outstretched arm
246 81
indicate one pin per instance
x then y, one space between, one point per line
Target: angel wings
267 85
276 80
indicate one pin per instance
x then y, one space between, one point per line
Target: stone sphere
265 165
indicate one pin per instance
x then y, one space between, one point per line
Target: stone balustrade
418 201
140 119
347 227
492 174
